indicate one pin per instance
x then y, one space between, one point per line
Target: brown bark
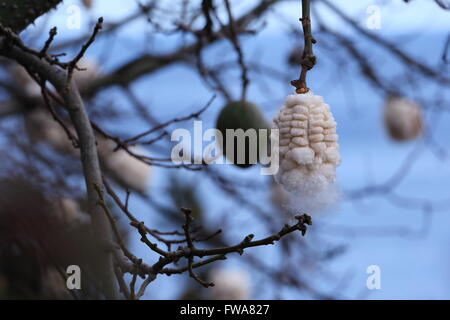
18 14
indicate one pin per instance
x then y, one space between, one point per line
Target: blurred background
378 62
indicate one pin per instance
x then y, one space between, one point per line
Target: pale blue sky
396 16
411 267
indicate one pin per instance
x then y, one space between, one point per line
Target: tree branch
151 63
391 47
18 14
89 157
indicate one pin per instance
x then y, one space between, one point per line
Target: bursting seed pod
403 118
308 148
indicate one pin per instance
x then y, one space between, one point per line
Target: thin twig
308 59
73 64
237 47
52 34
161 126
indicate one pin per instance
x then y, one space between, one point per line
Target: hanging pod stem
308 58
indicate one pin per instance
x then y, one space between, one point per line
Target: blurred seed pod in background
309 151
184 193
69 211
242 115
230 284
89 70
126 169
295 57
42 127
403 118
23 80
88 3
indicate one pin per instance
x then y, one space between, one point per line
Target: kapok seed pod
309 152
403 118
241 115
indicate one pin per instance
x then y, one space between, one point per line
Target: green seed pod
242 115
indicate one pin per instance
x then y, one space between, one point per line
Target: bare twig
237 47
161 126
52 34
71 66
407 59
445 54
308 59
